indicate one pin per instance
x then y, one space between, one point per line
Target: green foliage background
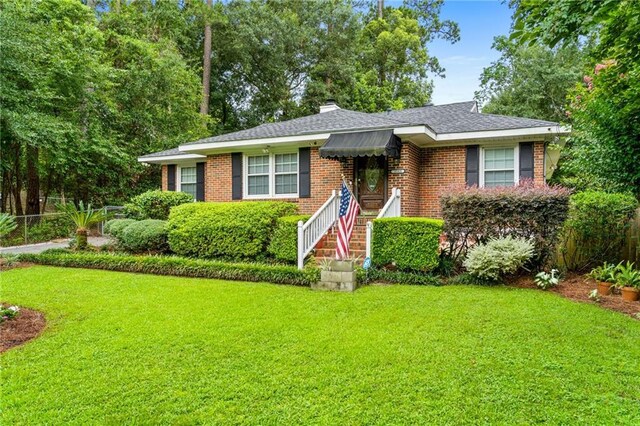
86 89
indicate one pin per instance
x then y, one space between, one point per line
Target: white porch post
368 234
300 245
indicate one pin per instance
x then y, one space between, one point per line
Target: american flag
349 209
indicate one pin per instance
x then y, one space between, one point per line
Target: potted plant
605 277
628 278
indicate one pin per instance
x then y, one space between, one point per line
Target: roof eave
541 131
161 159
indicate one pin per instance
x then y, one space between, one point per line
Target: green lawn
126 348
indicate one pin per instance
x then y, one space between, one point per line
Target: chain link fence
49 227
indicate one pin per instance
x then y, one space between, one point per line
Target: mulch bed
577 287
26 326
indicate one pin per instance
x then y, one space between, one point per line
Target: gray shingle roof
338 120
450 118
462 117
173 151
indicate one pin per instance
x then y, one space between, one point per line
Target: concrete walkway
40 247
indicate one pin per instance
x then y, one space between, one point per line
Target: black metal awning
362 144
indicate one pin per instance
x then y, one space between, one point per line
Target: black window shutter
171 177
200 181
526 160
472 173
236 176
304 172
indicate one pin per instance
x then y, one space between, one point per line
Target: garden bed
577 287
19 330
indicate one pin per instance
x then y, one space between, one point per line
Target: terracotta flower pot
604 288
630 294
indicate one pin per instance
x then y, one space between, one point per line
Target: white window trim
516 162
272 174
179 177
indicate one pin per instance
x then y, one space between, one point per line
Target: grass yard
126 348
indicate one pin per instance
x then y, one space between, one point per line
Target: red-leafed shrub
474 215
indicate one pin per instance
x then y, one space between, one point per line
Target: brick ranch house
420 151
399 162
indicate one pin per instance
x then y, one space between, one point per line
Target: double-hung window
271 175
499 166
188 180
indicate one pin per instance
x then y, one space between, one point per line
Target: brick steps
326 248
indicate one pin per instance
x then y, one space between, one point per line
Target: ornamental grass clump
498 257
476 215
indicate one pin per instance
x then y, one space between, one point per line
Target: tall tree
206 65
530 81
605 109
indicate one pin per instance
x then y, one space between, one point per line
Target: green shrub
596 229
284 242
145 236
155 204
375 275
498 257
177 266
7 224
114 227
235 231
411 243
475 215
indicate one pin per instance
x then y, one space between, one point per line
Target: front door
371 178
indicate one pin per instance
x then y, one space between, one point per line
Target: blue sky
480 22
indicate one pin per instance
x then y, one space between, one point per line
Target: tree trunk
17 184
81 239
33 181
206 65
4 188
380 8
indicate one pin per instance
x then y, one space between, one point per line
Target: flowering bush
498 257
475 215
8 312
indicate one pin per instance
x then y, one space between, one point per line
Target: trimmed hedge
596 229
374 275
145 236
236 231
411 243
475 215
177 266
284 243
114 227
155 204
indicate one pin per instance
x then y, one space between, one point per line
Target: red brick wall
441 168
538 163
217 183
407 182
427 172
164 183
325 176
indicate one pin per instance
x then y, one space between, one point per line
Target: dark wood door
371 176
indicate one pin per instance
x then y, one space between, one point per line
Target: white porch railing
392 208
310 233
